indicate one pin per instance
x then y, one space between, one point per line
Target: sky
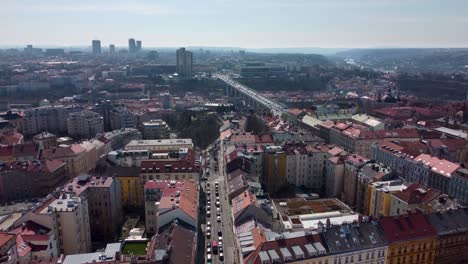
236 23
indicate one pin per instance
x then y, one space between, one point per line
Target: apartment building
71 221
155 129
84 124
104 204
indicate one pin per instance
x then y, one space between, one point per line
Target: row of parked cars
216 246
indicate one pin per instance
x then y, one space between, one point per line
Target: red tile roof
417 194
60 152
187 201
5 237
406 227
439 166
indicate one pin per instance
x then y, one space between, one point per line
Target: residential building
104 204
121 117
369 173
368 121
8 251
130 185
274 169
118 139
433 172
25 180
183 167
417 196
309 248
334 176
111 254
412 239
305 214
452 149
95 150
353 164
45 140
74 157
34 241
21 152
380 196
358 242
49 118
71 221
175 244
166 201
305 165
160 145
452 239
458 187
155 129
85 124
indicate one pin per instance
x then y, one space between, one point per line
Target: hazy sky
236 23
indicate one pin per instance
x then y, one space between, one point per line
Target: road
226 220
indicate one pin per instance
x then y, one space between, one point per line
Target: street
225 225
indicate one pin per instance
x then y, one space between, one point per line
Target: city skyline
226 23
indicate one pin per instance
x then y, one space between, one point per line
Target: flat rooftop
303 206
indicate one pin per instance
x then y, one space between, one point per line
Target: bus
214 247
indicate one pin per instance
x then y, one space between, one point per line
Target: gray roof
352 237
449 222
108 254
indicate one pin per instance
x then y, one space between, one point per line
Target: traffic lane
227 228
213 218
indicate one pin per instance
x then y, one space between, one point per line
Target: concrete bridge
252 98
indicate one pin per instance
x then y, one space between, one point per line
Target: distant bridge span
253 98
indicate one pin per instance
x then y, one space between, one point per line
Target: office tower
138 45
112 48
96 47
131 45
184 63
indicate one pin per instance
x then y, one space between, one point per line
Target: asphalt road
226 220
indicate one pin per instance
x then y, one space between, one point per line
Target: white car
208 229
208 223
218 204
220 239
218 219
208 256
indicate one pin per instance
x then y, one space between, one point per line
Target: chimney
328 222
359 219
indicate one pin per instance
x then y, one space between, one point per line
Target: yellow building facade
412 251
132 193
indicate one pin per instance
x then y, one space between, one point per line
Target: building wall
452 248
132 191
350 185
334 174
412 251
379 202
275 171
458 187
105 210
373 255
15 185
73 229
